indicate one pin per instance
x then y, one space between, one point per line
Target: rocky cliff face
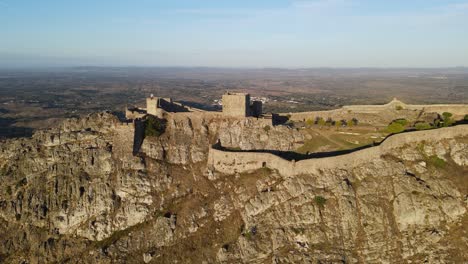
75 194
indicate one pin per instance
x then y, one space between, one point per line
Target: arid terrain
31 99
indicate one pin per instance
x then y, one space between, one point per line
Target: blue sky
241 33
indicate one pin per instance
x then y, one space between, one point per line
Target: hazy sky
237 33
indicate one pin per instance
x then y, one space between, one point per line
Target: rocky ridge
76 193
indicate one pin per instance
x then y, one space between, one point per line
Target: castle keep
238 104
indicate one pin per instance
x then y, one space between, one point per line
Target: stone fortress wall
384 113
231 162
236 106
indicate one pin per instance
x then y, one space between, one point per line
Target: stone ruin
234 105
238 104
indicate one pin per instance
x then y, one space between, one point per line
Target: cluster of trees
445 120
330 122
400 125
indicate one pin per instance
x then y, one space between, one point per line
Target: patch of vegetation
395 128
465 118
8 190
420 148
320 121
437 162
154 127
446 120
352 122
401 121
422 126
309 122
399 107
320 201
266 128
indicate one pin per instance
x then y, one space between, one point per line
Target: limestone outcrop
76 193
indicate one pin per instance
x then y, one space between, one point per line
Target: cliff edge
76 193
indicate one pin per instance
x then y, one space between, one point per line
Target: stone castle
235 105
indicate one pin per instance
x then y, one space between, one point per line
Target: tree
320 201
320 121
154 127
447 118
447 115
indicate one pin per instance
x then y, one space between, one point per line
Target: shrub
447 119
401 121
154 127
320 121
266 128
436 161
465 118
422 126
309 122
399 107
447 115
395 128
320 201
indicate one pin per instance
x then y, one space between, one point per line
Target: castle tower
152 104
236 104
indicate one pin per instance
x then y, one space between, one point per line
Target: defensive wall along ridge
456 109
230 162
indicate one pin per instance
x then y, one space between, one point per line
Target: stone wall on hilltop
231 162
77 194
